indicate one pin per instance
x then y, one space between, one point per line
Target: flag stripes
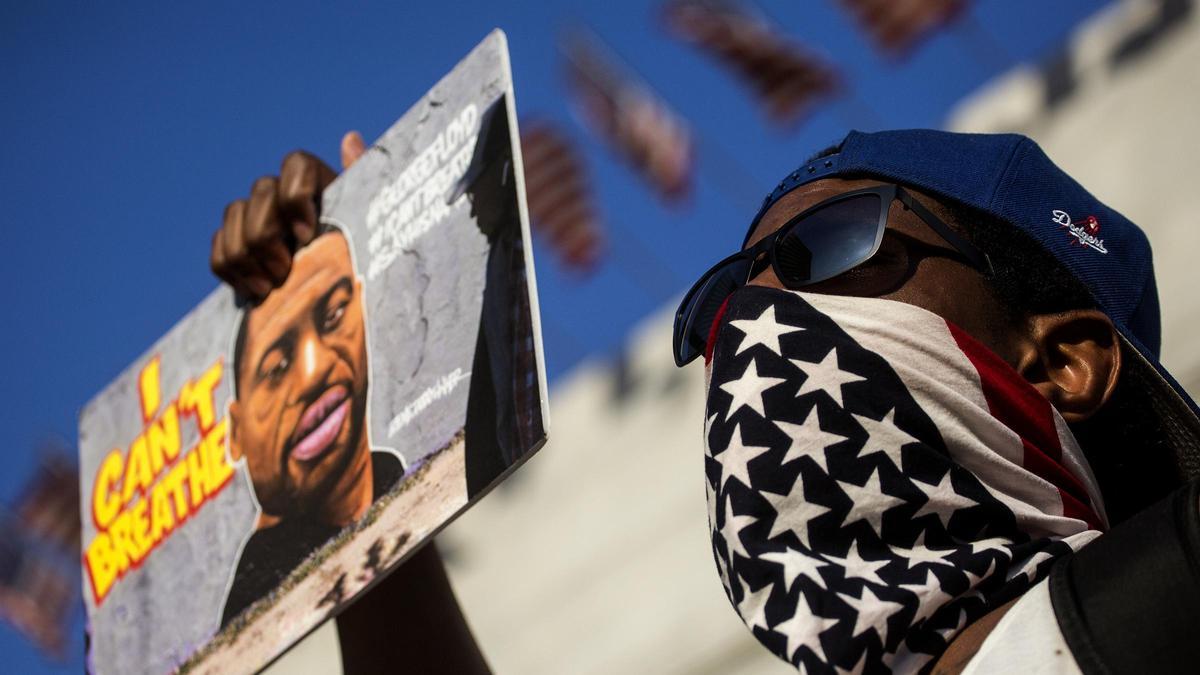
632 119
560 203
788 79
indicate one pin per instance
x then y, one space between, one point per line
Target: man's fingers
253 249
243 273
216 258
263 233
301 180
353 147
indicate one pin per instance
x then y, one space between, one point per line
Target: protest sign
262 465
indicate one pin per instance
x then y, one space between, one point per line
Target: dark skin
411 617
305 353
1072 358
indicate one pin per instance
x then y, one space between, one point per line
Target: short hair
239 341
239 346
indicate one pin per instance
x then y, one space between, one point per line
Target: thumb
352 148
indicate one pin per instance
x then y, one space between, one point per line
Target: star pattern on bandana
793 512
804 629
941 500
735 460
747 390
868 609
796 564
871 494
763 331
878 550
753 604
809 440
883 436
733 527
825 375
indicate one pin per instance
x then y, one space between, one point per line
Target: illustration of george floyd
261 465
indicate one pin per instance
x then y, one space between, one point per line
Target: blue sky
128 126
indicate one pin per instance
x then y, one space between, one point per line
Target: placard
262 465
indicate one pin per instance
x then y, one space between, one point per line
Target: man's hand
252 251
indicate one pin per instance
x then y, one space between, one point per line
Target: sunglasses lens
695 317
829 241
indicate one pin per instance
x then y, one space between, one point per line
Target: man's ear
1073 358
235 415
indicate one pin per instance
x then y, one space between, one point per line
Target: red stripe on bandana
712 331
1020 407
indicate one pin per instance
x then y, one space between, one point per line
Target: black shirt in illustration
272 553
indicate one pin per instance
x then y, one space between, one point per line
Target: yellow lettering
197 396
102 565
124 549
162 521
138 473
163 439
106 504
140 529
148 387
173 484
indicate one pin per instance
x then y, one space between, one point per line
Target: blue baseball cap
1009 177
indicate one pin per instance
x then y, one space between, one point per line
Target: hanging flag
560 203
788 78
896 26
628 115
39 554
48 509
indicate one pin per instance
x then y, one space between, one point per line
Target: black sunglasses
820 243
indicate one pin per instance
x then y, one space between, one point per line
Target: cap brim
1178 415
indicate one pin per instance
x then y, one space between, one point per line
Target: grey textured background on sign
165 609
423 307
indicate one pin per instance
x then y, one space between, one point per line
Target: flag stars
1030 567
735 459
793 512
748 389
708 426
804 629
797 564
869 609
943 501
930 596
868 502
764 330
921 553
753 606
857 567
825 375
809 440
883 436
732 530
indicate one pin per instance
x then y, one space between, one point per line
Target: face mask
877 479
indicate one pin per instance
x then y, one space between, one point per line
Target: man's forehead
315 269
804 197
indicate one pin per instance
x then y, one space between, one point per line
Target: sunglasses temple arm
978 258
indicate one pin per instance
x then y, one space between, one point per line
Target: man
299 416
927 387
262 249
934 378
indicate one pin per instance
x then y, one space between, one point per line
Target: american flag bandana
878 479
